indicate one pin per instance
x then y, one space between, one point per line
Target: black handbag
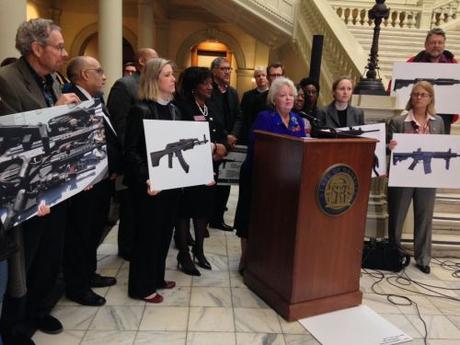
382 254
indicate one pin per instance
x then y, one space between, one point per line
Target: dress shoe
17 339
49 324
186 265
221 226
89 298
157 298
200 259
100 281
425 269
168 284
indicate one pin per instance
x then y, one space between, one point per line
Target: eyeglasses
99 70
420 94
275 75
226 69
59 47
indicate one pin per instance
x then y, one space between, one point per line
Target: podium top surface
264 134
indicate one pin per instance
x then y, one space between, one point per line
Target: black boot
200 259
186 265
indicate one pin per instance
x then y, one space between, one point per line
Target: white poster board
375 131
354 326
229 167
445 78
427 161
49 155
178 153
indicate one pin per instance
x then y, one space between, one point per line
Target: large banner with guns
178 153
49 155
444 77
427 161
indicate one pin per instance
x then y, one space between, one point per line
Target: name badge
199 118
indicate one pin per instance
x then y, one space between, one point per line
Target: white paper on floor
354 326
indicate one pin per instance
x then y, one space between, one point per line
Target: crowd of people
65 238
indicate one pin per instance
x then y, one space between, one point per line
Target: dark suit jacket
19 91
232 123
122 97
114 154
329 118
399 125
135 150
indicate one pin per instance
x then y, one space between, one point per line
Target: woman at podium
280 120
340 113
420 118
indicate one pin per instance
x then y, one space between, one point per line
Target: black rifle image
176 149
400 83
424 156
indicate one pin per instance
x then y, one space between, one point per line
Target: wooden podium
301 259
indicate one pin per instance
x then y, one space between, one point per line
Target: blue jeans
3 281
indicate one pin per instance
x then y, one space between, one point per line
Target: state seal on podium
337 189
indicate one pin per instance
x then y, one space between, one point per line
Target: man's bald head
86 72
144 55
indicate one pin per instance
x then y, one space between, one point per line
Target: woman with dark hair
340 113
420 118
310 89
155 211
196 202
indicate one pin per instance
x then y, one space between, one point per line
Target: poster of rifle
427 161
49 155
445 78
229 168
178 153
374 131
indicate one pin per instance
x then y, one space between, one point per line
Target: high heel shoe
200 259
186 265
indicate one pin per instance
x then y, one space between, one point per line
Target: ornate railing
356 13
445 12
342 54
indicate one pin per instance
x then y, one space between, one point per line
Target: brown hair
339 79
435 31
425 85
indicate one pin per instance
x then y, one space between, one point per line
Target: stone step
443 245
447 205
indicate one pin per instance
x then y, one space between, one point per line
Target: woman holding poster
421 119
196 202
155 210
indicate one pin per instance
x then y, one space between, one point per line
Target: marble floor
218 309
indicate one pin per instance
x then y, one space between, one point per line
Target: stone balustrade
445 12
356 13
342 54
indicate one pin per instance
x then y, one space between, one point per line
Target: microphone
310 118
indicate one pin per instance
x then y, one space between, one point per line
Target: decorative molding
203 35
92 29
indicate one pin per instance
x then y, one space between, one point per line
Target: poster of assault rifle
445 78
178 153
49 155
374 131
427 161
229 167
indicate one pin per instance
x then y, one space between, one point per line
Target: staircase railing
342 54
422 15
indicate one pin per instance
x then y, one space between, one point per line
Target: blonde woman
154 211
420 119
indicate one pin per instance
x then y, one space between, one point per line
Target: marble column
111 40
145 25
12 14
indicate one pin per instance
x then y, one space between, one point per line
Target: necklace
203 110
